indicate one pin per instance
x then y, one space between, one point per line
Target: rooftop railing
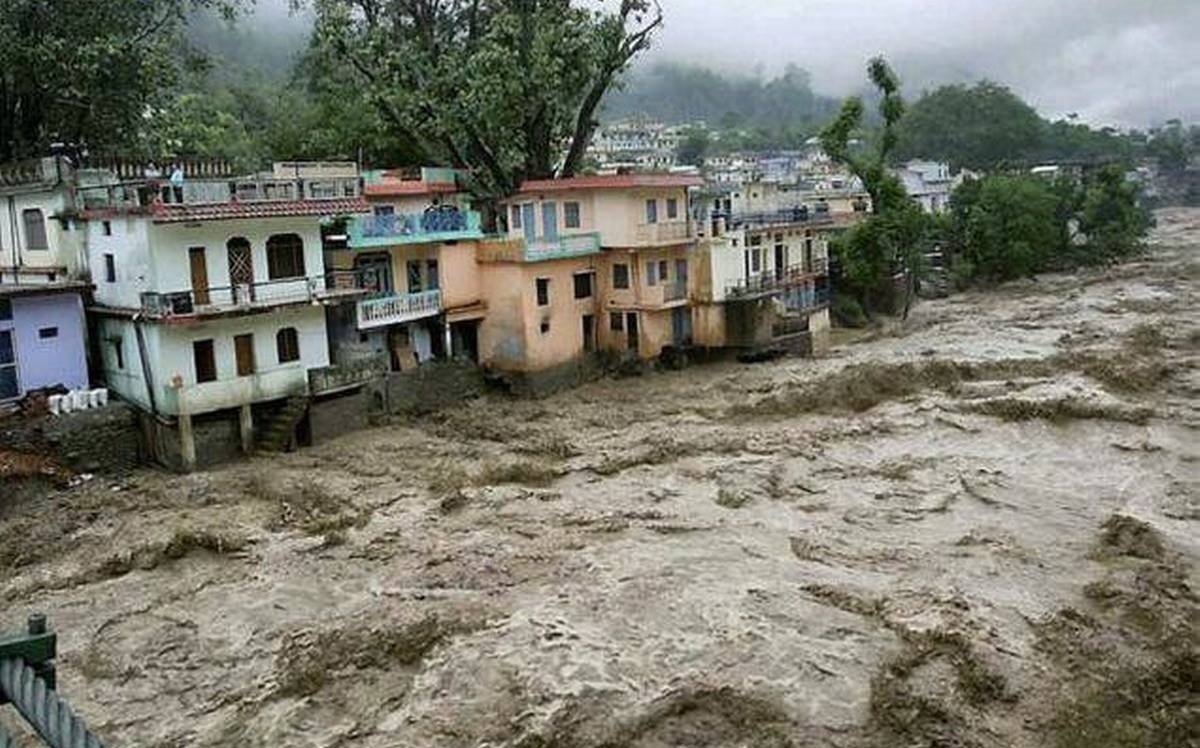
447 224
147 192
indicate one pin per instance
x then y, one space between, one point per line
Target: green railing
572 245
366 232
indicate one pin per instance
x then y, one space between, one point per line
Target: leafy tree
694 147
896 235
1171 148
976 127
1110 216
1003 227
88 71
499 88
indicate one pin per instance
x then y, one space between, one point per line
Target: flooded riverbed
976 528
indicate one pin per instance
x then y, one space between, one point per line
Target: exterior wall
511 338
462 284
46 362
64 238
154 257
618 215
170 354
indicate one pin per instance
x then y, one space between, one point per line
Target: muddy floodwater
976 528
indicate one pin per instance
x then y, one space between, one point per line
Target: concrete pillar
187 442
247 428
449 341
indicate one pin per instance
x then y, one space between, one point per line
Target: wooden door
199 276
243 346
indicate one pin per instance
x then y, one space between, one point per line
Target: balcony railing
414 228
345 376
675 291
566 246
250 296
800 214
806 299
672 231
775 281
398 308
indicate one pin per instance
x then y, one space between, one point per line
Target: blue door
528 218
550 221
9 388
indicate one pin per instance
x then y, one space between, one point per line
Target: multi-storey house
414 255
641 243
210 301
43 280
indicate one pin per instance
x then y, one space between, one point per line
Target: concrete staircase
280 431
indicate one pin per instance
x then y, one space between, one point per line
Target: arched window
287 344
285 257
35 229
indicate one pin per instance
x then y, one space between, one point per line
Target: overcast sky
1119 62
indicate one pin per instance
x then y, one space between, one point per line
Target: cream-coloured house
638 229
210 304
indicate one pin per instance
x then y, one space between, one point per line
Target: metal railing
220 299
432 225
27 681
773 281
398 308
801 214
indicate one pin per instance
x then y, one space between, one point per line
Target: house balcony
225 394
367 232
392 309
342 377
249 298
540 249
777 281
205 190
664 233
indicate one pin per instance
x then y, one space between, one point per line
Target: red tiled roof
400 188
172 213
611 182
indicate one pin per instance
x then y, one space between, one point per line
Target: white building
213 301
929 183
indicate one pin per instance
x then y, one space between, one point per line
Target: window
651 211
243 350
110 268
583 285
662 270
35 229
206 362
414 276
285 256
5 309
516 216
545 326
48 333
672 208
107 226
620 275
755 261
616 321
543 291
571 215
287 345
431 274
118 351
385 210
651 273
